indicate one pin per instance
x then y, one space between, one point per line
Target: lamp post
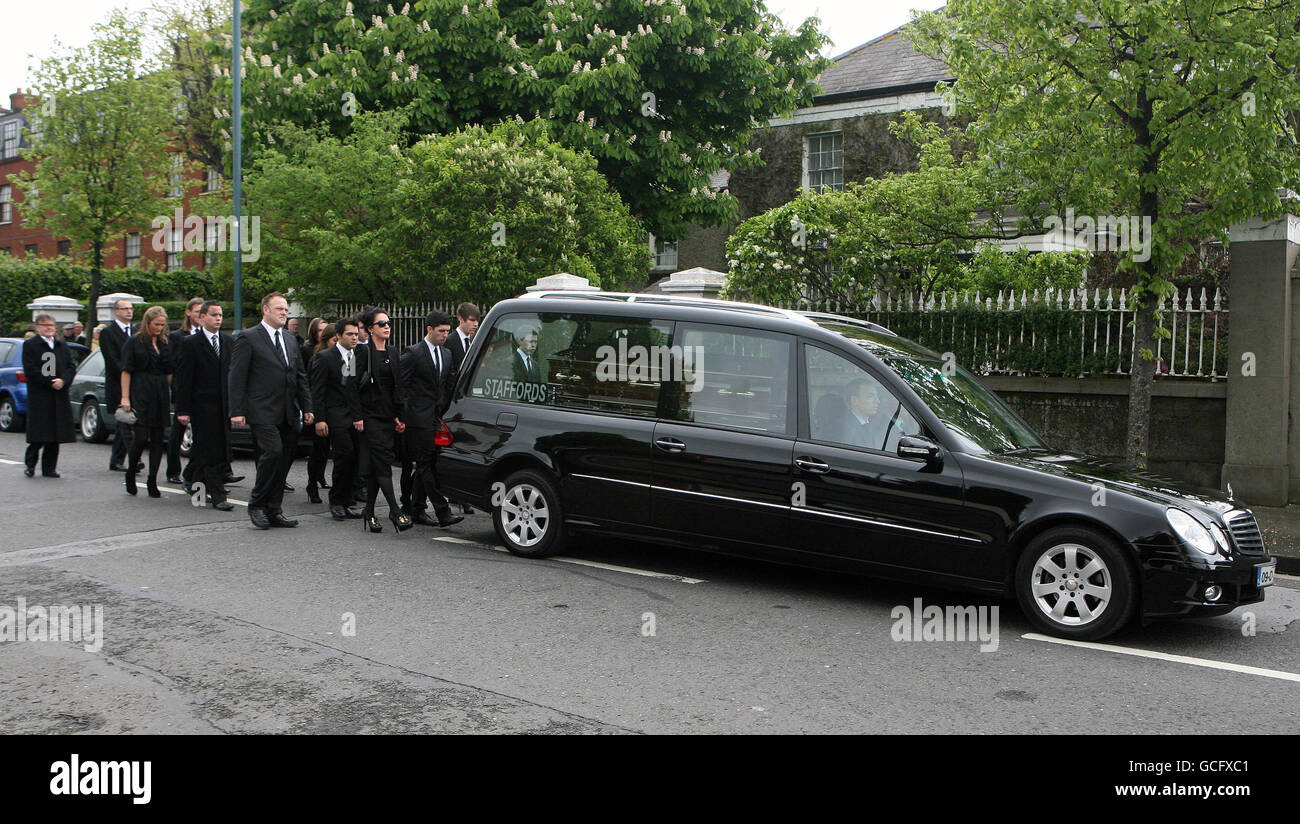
238 170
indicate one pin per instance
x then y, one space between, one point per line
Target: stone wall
1187 420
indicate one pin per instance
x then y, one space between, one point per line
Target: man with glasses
49 368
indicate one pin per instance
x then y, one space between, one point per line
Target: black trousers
423 451
276 444
174 449
50 458
345 444
123 436
320 454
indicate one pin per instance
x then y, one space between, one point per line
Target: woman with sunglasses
381 413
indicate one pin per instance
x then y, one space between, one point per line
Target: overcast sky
31 27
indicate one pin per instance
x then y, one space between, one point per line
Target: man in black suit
188 328
525 365
268 392
338 411
427 375
111 342
200 385
460 338
864 426
48 368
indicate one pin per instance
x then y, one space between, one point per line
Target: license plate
1264 574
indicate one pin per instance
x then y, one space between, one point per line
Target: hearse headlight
1191 531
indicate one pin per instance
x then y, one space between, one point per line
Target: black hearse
820 441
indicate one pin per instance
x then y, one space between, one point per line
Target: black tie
437 362
216 346
283 354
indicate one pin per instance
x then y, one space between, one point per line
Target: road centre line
1166 656
579 562
182 492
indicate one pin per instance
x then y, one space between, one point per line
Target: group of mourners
369 408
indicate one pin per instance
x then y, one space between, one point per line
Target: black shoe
223 506
130 483
447 519
401 523
467 509
50 475
258 517
29 471
152 487
342 513
279 520
174 479
139 465
321 483
288 488
189 489
233 479
369 523
116 468
423 519
312 494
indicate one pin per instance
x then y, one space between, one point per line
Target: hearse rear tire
529 518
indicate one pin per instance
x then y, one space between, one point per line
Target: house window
65 248
823 162
211 236
133 249
663 254
213 182
6 208
177 177
175 245
30 250
9 147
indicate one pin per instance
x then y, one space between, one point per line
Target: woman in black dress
146 376
381 414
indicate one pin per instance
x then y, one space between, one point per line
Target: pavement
1280 526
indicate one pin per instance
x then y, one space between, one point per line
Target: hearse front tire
1075 582
528 516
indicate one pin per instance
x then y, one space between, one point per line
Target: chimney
18 100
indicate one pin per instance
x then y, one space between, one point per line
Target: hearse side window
731 378
588 362
848 406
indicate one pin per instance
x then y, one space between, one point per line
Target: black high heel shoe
401 523
130 483
369 523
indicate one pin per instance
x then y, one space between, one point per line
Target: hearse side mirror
915 446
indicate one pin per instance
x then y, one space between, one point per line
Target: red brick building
128 249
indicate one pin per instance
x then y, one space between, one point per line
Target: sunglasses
381 323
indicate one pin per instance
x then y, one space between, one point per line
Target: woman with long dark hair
146 376
380 389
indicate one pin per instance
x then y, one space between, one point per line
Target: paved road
211 626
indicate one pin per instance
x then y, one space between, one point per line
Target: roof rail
672 300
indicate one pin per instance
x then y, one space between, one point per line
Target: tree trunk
1141 376
96 282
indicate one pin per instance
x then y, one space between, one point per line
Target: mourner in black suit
427 375
268 392
49 369
380 389
460 338
201 387
146 393
524 362
338 413
189 327
111 342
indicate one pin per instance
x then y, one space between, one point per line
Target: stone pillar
562 282
63 310
1261 457
694 283
104 306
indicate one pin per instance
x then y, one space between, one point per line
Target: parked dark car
97 422
824 442
13 383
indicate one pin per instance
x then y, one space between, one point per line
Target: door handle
812 465
670 445
507 421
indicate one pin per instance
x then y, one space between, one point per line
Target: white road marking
7 461
182 492
579 562
1165 656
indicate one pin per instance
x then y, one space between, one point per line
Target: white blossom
265 61
347 10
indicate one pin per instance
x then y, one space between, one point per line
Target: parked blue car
13 383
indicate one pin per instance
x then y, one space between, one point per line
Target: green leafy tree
192 33
100 141
1174 111
478 213
662 94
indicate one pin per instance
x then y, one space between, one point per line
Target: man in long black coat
189 328
268 393
49 369
112 342
427 374
203 403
